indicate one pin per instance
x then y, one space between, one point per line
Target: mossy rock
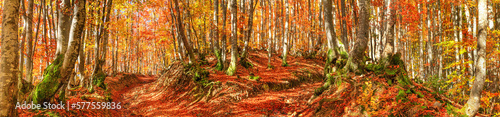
50 84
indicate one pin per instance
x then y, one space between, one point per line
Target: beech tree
474 102
57 74
234 38
355 62
9 58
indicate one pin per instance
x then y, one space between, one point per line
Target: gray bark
29 39
224 37
76 31
389 45
234 37
63 27
285 35
473 103
271 36
355 61
249 31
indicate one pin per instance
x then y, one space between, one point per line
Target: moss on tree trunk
50 84
220 65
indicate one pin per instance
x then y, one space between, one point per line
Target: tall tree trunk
271 36
215 37
249 31
29 39
473 103
344 25
285 35
310 33
333 49
73 49
21 44
389 45
355 62
182 35
224 35
421 49
106 31
234 37
63 27
81 60
9 59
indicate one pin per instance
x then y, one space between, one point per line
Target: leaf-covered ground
280 91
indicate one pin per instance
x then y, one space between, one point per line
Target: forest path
281 91
286 102
121 90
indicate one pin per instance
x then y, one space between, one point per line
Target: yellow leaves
462 51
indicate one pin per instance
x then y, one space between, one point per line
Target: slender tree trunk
9 58
262 33
285 35
29 39
104 50
224 40
344 25
81 62
422 55
473 104
215 36
271 36
249 31
21 44
234 37
310 34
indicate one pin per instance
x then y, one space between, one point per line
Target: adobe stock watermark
45 105
69 105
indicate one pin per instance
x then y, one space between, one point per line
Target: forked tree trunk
57 74
182 35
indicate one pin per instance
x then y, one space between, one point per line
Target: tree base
50 83
231 70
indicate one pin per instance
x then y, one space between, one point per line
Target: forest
250 58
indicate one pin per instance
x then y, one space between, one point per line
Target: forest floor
279 91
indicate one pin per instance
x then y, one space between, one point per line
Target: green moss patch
256 78
98 80
50 83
